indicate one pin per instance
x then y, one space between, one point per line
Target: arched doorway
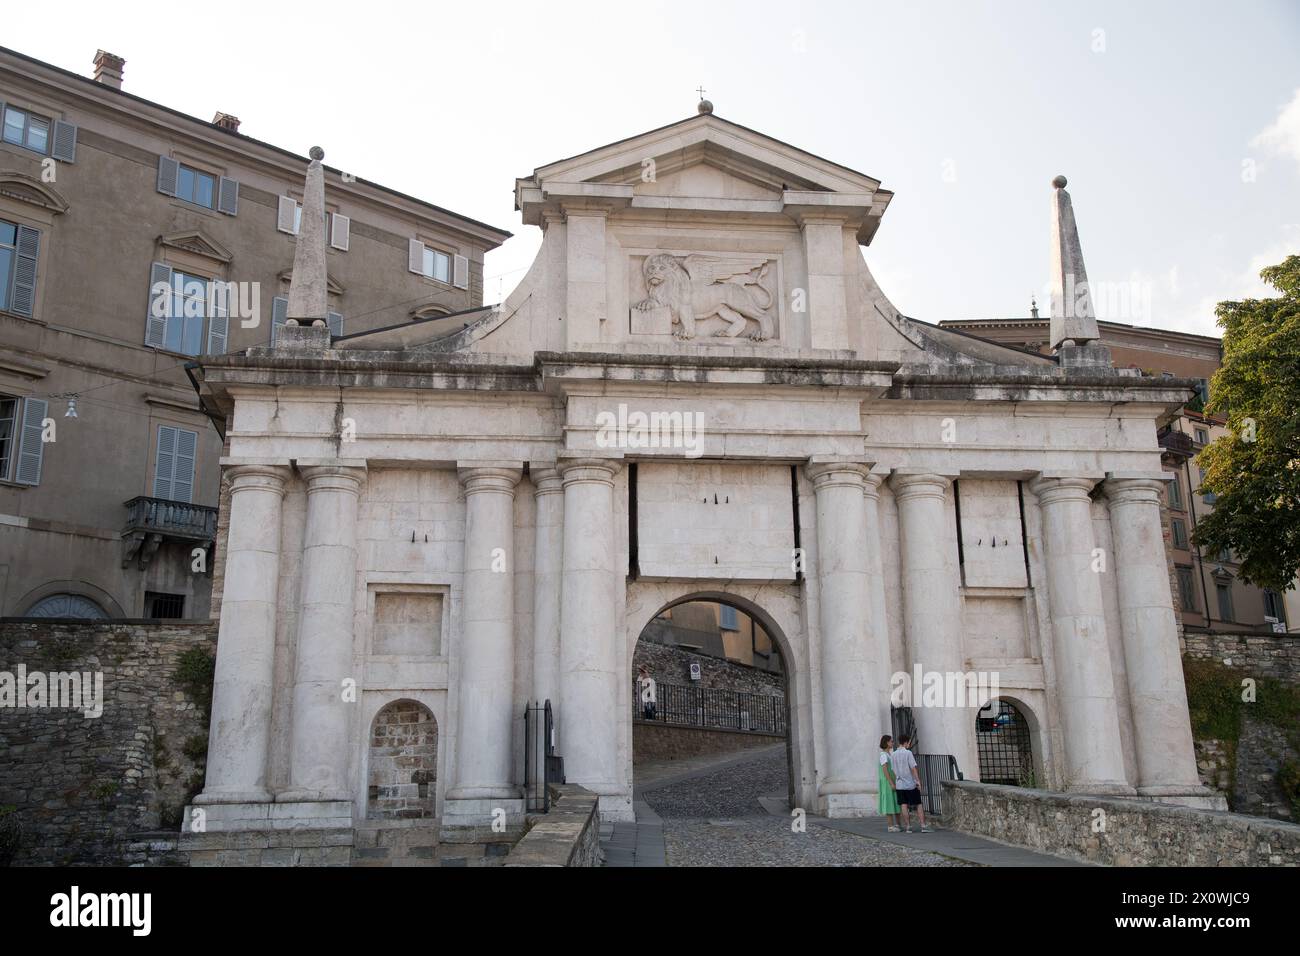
403 763
710 688
1004 739
67 606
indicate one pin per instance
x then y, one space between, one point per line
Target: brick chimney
108 69
226 121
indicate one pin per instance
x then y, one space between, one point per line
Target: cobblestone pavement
715 819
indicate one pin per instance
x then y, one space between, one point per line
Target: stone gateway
431 524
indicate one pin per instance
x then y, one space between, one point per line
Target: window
19 249
1166 374
280 315
173 476
182 307
159 606
27 130
1224 592
1203 390
22 444
198 187
338 228
1179 531
1224 556
1209 497
438 265
1272 606
1203 438
1186 589
1176 494
727 618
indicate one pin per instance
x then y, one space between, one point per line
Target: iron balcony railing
173 519
691 706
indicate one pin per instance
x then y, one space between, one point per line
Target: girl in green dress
888 798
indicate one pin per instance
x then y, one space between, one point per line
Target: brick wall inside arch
403 766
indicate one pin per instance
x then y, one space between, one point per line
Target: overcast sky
1177 123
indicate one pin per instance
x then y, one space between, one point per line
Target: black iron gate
542 765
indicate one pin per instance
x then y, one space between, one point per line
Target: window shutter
279 315
65 142
183 465
29 250
460 273
335 321
228 196
284 215
415 257
165 464
155 325
30 447
341 232
219 316
168 172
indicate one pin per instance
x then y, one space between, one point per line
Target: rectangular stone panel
993 551
407 624
701 520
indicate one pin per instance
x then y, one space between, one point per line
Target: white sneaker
893 829
925 829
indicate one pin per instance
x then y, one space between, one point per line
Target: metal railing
690 706
542 766
176 519
934 770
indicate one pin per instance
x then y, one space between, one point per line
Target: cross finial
700 90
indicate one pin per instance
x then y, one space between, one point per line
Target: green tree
1255 470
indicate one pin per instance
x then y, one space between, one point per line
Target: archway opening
1005 743
403 763
74 606
711 714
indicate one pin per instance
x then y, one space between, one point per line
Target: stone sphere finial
316 153
1059 182
705 106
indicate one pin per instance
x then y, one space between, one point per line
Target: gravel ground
716 820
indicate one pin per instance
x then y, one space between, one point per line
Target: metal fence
690 706
542 766
934 770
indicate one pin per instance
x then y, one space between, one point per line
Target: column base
1103 788
229 817
615 808
213 797
304 795
1199 797
839 806
481 820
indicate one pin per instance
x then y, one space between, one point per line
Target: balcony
1176 443
150 521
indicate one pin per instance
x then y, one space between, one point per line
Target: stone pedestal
1166 756
932 621
850 664
484 791
323 719
589 633
1085 686
240 733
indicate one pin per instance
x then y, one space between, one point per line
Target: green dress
888 798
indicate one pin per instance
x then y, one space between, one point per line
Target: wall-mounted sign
695 670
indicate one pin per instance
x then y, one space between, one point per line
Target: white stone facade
839 442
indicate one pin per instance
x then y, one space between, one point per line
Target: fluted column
932 620
484 769
850 668
1166 757
589 629
240 734
322 716
1084 681
876 598
548 559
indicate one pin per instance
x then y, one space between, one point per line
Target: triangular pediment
333 286
195 241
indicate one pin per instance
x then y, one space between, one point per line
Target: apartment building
134 238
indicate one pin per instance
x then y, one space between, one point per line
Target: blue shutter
155 324
219 295
65 142
183 465
165 463
168 173
29 250
335 321
31 447
228 196
728 619
279 315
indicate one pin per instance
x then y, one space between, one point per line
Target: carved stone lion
699 287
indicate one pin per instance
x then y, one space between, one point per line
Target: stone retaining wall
652 740
95 790
567 836
1115 831
1259 655
672 665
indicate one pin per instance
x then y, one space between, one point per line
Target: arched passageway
403 762
1004 739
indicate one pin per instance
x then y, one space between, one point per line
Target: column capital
258 477
919 484
546 480
342 475
836 472
495 477
577 470
1050 490
871 485
1134 490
